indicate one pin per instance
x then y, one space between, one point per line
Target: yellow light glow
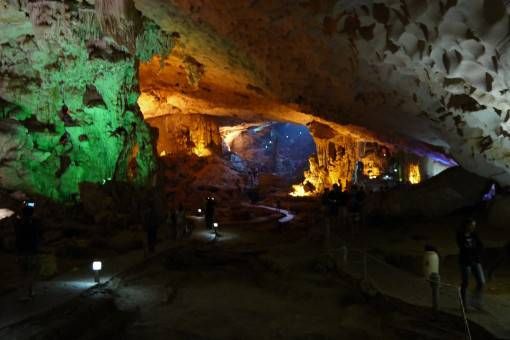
371 171
201 151
414 174
298 190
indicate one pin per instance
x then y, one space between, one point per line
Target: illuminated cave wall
187 134
54 54
338 154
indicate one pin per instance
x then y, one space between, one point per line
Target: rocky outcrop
453 189
69 95
435 71
186 135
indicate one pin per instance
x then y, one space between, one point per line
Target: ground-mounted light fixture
199 211
96 267
215 228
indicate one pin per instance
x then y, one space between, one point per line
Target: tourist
210 206
355 207
470 253
151 221
180 222
27 232
337 206
171 222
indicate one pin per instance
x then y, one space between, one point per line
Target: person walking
27 231
470 253
334 201
151 221
180 222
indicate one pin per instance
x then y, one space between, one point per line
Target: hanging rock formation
387 71
69 96
434 71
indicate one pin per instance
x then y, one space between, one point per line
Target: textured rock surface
451 190
69 100
435 70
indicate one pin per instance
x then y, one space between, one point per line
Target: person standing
151 221
180 222
210 206
337 206
470 253
27 231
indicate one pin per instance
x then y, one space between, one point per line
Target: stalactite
120 20
153 41
50 19
88 27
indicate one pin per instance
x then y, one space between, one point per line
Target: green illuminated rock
68 103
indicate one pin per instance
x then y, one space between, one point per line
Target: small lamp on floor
96 267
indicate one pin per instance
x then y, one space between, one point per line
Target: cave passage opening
226 156
269 149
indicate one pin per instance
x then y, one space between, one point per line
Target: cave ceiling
435 71
398 71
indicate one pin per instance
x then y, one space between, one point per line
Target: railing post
435 282
365 266
344 255
463 311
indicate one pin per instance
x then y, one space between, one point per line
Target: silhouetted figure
355 207
27 232
210 206
326 212
180 222
470 253
333 201
151 220
172 223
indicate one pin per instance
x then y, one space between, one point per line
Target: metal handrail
345 250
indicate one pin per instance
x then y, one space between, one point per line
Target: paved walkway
396 283
287 215
53 293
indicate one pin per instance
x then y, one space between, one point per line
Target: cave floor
262 284
258 281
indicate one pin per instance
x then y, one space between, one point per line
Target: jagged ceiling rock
68 108
435 70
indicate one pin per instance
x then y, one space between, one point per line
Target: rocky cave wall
68 95
187 134
451 59
435 70
337 156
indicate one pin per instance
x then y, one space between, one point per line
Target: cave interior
195 147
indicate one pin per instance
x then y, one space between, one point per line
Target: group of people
175 219
343 208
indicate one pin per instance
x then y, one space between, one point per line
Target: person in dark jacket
470 254
334 200
210 206
27 231
151 220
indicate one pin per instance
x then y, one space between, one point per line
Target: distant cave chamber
254 152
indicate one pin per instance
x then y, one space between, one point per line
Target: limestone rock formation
435 71
395 72
69 99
